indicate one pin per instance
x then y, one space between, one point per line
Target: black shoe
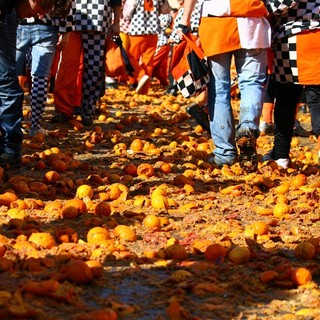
304 108
60 118
87 121
199 115
248 157
299 130
133 86
173 90
10 161
111 85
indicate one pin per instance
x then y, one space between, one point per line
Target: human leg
220 110
11 96
66 89
44 40
266 124
287 96
93 73
251 68
160 63
149 48
313 101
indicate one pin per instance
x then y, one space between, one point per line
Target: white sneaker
142 83
266 128
283 163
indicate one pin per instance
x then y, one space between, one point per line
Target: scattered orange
96 234
152 221
124 232
96 268
239 255
304 250
176 251
102 208
215 252
42 240
59 166
280 209
299 180
145 169
130 169
268 276
78 271
136 145
84 191
159 202
7 198
51 176
165 167
260 228
300 276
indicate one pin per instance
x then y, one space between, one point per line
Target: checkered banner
189 84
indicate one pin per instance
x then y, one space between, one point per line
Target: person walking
295 35
240 31
11 94
39 36
84 35
143 33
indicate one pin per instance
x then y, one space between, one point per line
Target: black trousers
287 95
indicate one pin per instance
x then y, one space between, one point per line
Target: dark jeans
287 96
11 95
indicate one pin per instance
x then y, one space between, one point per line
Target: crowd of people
37 34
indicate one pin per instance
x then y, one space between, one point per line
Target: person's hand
182 29
63 40
114 30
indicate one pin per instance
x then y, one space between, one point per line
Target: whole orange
300 276
78 271
304 250
84 191
215 252
152 221
96 234
124 232
239 255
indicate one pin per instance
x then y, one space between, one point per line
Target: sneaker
8 160
34 131
304 108
111 85
199 115
282 162
142 83
299 131
219 164
266 128
172 90
60 118
248 157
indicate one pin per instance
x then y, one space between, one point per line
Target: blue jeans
42 39
251 70
11 95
